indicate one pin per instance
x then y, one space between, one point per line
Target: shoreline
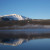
28 26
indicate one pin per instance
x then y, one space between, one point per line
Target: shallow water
36 42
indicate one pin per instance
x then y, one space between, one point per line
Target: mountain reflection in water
15 38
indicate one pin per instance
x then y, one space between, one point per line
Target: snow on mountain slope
14 17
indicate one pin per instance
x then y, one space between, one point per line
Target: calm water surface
34 43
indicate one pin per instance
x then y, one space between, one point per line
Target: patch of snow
15 17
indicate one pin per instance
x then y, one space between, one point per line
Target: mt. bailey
13 17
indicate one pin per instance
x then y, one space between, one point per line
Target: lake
25 39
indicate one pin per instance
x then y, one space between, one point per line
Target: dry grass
24 22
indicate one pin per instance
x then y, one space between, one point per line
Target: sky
35 9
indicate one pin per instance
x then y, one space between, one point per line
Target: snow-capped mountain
14 17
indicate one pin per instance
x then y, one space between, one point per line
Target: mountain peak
14 17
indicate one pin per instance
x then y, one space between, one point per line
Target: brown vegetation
24 22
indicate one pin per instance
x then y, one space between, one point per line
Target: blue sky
35 9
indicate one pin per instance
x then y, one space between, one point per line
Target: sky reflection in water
30 42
